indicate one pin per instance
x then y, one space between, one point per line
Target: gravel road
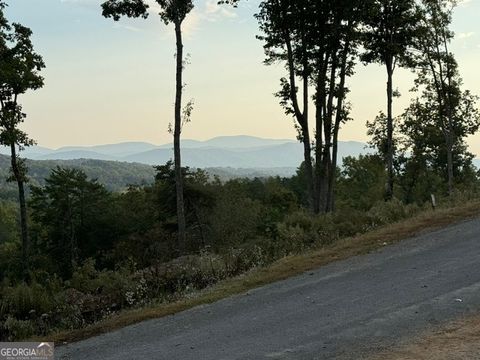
346 310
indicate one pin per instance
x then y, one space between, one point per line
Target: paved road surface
341 311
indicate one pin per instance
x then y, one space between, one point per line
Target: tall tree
316 41
436 138
454 110
390 33
20 66
175 12
284 26
336 42
73 214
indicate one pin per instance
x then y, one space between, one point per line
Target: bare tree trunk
318 154
307 146
450 163
333 173
301 117
389 185
321 111
451 132
307 156
176 141
23 208
336 128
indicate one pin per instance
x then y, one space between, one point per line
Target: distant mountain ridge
118 165
225 151
237 152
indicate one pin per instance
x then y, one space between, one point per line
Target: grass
283 269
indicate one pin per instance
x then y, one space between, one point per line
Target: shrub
14 329
350 222
301 230
242 259
387 212
23 301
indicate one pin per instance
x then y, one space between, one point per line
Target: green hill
115 175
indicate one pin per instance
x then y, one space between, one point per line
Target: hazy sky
109 82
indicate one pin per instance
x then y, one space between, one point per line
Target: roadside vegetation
74 254
98 253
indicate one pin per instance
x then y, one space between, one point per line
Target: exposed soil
458 340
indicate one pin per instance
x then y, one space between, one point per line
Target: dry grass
459 340
283 269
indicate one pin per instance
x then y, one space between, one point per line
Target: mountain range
118 165
238 152
241 152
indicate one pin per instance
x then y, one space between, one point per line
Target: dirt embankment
459 340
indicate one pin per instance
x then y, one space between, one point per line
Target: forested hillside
118 176
115 176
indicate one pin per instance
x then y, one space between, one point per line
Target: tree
8 223
336 37
317 41
20 66
361 181
390 32
284 25
436 146
199 199
73 213
445 105
173 11
378 132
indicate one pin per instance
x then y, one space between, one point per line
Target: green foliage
386 212
391 28
8 223
22 301
171 11
15 329
73 213
300 231
235 220
20 68
10 260
95 252
126 244
115 176
361 182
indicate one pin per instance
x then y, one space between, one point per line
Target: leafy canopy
172 11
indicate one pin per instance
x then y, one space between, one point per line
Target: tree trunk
318 155
321 110
301 117
451 131
176 142
336 128
450 163
333 174
307 146
389 185
23 209
307 155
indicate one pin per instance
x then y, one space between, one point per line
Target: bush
234 221
302 230
388 212
351 222
13 329
25 301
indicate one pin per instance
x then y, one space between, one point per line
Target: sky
109 82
